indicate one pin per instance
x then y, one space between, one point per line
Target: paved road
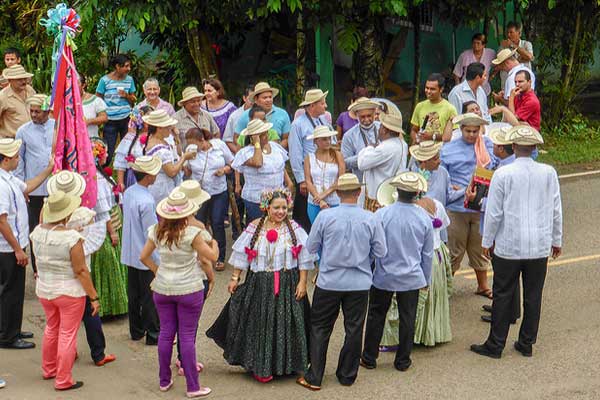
566 362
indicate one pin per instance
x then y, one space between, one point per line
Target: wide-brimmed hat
159 118
9 146
150 165
16 72
392 121
59 206
82 216
189 93
409 182
524 135
498 136
348 181
363 103
193 191
176 206
470 119
40 100
262 87
256 127
312 96
503 55
68 182
425 150
321 131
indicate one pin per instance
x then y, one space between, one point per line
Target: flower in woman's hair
130 158
437 223
267 196
296 250
98 150
272 235
108 171
143 139
251 253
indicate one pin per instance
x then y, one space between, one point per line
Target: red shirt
527 108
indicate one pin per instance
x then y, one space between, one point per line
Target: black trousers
379 304
34 208
324 312
143 318
300 214
506 281
93 332
113 132
12 297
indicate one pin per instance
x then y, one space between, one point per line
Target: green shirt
273 137
444 109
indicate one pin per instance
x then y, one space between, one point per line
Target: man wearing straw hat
14 238
13 106
506 61
37 136
138 215
403 271
365 133
346 237
300 146
191 115
522 228
385 160
263 96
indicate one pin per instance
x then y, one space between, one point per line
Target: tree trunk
415 18
396 46
486 24
566 77
300 56
201 52
368 63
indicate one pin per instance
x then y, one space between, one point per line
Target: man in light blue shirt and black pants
404 270
348 238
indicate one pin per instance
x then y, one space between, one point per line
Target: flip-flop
302 382
485 293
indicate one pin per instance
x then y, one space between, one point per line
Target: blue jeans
253 211
215 209
313 210
112 133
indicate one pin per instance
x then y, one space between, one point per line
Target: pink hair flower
272 235
296 251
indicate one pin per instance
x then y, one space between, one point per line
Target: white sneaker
2 383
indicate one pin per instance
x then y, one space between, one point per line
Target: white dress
164 184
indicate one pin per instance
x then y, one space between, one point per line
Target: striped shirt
117 107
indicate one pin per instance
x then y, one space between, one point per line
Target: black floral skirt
265 334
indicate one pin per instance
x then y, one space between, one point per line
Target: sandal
108 358
220 266
263 379
302 382
74 386
485 293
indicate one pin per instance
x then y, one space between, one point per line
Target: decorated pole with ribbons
72 146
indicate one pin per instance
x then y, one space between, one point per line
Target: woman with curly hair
264 325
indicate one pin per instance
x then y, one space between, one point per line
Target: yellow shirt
13 111
444 109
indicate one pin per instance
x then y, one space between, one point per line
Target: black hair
508 149
276 195
526 73
143 111
119 59
467 104
479 36
255 108
151 131
12 50
249 89
437 77
513 24
139 175
2 157
406 197
474 70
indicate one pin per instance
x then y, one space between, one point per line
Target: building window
426 23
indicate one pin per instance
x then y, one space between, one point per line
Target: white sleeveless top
324 175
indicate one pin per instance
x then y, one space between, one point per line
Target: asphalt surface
565 364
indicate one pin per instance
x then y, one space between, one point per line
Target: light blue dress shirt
139 214
299 146
348 238
353 143
277 116
34 152
458 158
409 237
462 93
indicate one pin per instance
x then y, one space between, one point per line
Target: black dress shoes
526 351
18 344
26 335
483 350
487 308
150 341
488 319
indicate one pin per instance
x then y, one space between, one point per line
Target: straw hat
150 165
159 118
59 206
425 150
392 121
193 191
409 182
498 136
348 182
321 131
256 127
262 87
176 206
503 55
524 135
16 72
469 119
189 93
312 96
82 216
36 100
363 103
9 146
68 182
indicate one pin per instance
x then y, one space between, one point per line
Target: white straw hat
189 93
193 191
348 181
176 206
425 150
524 135
150 165
16 72
159 118
498 136
321 131
262 87
312 96
9 146
256 127
392 121
469 119
363 103
503 55
59 206
68 182
409 182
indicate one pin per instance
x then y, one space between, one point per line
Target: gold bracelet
257 145
235 278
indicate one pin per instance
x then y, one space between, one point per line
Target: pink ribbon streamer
276 283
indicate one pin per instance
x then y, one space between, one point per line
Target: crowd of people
368 216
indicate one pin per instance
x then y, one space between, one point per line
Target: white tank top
324 175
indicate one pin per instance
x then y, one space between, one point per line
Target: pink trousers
59 347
